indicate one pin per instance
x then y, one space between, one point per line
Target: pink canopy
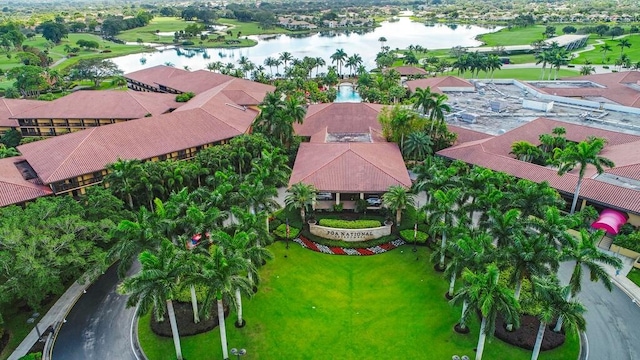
610 221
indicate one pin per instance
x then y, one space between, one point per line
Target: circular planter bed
525 335
184 318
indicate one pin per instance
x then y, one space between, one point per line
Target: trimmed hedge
407 235
281 231
349 224
631 241
349 244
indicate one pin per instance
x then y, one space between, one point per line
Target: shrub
105 51
281 232
407 235
184 97
346 224
631 241
32 356
187 43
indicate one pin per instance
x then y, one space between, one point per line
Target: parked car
374 201
324 196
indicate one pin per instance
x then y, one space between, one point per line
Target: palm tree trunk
560 321
302 213
174 329
465 306
239 308
443 246
130 199
223 330
452 284
481 338
576 193
194 305
516 295
536 347
398 216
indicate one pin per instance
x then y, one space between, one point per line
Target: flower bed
364 251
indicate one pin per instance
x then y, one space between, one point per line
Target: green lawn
596 56
251 28
316 306
520 74
515 36
634 275
161 24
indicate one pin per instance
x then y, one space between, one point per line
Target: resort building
69 163
11 107
347 158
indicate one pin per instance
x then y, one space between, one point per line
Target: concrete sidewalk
620 278
55 315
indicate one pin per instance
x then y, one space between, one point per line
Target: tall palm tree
544 58
443 213
397 199
581 155
486 295
438 109
133 237
270 62
623 43
423 99
220 273
125 177
285 57
504 225
471 250
353 62
156 285
382 40
243 246
339 57
604 49
300 196
551 302
319 63
584 252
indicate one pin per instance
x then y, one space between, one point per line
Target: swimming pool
347 94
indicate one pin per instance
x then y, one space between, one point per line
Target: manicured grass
161 24
515 36
251 28
595 56
634 275
316 306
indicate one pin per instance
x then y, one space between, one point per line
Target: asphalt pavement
99 325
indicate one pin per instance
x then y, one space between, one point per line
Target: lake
399 34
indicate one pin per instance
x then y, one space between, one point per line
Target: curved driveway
98 327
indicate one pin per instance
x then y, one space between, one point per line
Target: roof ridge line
73 151
220 120
374 165
325 164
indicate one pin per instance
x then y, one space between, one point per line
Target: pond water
347 94
399 34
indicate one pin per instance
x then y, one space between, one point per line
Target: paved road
98 327
612 320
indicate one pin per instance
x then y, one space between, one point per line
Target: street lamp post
238 352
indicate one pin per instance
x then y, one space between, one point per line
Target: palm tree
353 62
584 153
417 146
503 225
157 283
300 196
438 108
623 43
423 99
443 214
220 273
382 40
604 49
397 198
486 295
587 70
585 253
553 225
270 62
6 152
319 63
243 246
543 57
125 177
285 57
552 304
339 57
525 151
472 250
493 63
133 237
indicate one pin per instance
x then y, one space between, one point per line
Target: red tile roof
156 74
629 171
339 118
14 188
87 151
621 87
493 153
12 107
439 82
466 135
350 167
103 104
195 81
